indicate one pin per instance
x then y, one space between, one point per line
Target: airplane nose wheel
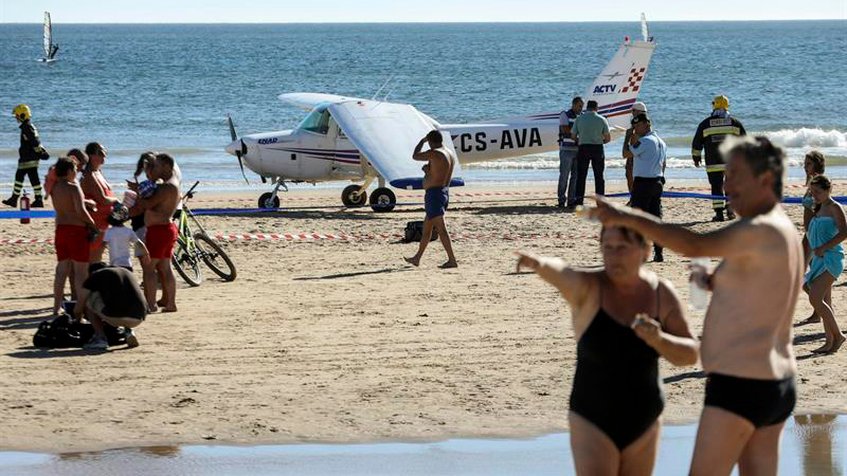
268 201
352 198
383 200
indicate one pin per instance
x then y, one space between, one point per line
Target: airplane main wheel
383 200
352 198
268 201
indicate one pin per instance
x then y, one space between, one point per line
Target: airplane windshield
317 121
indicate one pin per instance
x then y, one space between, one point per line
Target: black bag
414 232
63 333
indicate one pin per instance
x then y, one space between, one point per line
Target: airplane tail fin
618 85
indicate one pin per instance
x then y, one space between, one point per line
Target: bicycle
192 248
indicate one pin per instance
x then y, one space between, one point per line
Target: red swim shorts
160 240
71 242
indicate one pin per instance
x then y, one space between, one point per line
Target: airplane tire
352 198
383 200
266 203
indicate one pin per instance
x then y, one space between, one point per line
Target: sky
342 11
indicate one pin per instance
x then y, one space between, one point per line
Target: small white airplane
367 140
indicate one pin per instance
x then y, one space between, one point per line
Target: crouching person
116 299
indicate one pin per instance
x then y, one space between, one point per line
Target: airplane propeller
238 152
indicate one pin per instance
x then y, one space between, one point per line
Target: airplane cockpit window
317 121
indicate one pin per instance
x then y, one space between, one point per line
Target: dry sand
341 340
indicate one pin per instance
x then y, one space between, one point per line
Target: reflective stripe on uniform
722 130
29 164
17 188
695 153
715 168
718 204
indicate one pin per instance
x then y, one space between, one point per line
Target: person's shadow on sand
38 353
28 319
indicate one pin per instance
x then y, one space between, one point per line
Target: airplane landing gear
354 196
270 200
383 200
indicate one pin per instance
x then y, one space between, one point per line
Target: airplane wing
309 101
387 133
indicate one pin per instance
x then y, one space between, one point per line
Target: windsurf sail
50 48
48 35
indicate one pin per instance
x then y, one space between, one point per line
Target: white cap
639 106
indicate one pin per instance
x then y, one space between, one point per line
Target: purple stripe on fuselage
339 156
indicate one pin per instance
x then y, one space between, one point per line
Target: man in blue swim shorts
437 175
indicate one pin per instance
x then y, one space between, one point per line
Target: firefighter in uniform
30 152
710 135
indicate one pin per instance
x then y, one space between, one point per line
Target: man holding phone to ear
438 172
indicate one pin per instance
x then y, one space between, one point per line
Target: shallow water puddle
812 444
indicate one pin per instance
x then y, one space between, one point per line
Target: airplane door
316 147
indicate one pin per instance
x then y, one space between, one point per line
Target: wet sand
341 341
811 445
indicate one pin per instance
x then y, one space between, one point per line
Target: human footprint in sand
437 175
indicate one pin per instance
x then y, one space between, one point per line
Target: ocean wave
807 137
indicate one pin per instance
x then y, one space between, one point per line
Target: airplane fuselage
304 156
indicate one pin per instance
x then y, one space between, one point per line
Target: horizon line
390 22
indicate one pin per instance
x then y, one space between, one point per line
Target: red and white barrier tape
232 237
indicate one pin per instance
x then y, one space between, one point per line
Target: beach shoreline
338 341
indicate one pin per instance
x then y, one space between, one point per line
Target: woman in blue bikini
825 232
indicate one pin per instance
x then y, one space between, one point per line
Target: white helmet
639 107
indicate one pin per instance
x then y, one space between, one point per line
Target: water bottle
698 297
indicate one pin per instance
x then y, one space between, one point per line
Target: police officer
567 155
648 168
710 135
30 152
637 109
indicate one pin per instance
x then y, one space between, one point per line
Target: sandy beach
327 340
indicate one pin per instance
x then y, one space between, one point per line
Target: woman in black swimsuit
616 397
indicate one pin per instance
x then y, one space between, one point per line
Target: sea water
170 87
811 445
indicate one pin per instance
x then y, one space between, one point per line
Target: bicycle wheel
187 265
215 257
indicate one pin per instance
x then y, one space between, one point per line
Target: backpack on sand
62 333
414 232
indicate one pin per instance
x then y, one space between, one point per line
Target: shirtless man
96 188
73 227
437 175
161 233
746 347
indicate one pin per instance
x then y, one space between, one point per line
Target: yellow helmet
22 112
720 102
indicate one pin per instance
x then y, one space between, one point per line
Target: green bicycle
192 248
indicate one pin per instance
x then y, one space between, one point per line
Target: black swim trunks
761 402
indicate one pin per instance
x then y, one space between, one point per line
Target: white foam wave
808 137
550 163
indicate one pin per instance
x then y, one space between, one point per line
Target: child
118 239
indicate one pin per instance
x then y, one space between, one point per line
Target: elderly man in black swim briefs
746 349
437 175
624 317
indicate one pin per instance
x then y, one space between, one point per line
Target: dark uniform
29 153
710 135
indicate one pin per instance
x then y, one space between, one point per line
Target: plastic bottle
698 297
25 208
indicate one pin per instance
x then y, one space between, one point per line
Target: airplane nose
234 147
